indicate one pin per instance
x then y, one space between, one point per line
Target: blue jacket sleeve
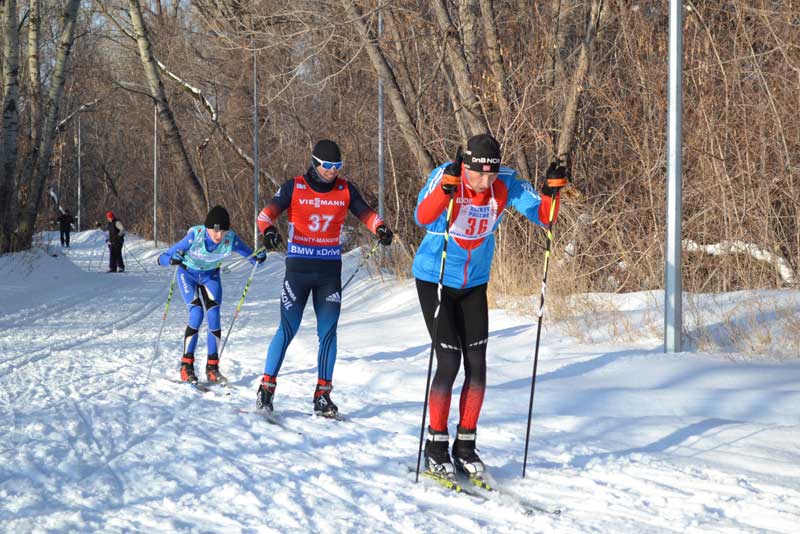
523 198
181 246
240 247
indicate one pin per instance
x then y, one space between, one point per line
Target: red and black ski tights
463 329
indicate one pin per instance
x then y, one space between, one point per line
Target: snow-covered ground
624 437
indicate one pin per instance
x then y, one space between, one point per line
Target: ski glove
451 177
176 259
259 257
272 239
384 235
556 177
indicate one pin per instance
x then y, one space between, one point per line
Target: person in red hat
115 239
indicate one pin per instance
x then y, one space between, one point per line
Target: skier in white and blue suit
198 257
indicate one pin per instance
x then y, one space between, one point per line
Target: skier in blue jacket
198 256
481 190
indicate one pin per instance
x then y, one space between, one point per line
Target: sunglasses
328 165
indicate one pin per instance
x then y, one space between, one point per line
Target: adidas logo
334 297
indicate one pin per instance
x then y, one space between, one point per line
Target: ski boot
265 393
467 460
212 371
437 457
187 369
323 405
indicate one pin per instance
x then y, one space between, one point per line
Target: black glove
260 256
556 176
451 177
384 235
177 259
272 239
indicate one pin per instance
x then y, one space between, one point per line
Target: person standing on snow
65 221
316 205
198 256
482 189
115 239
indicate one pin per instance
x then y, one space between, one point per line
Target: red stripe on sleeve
268 216
544 208
432 206
371 220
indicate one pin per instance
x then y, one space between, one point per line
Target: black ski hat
327 150
483 154
218 219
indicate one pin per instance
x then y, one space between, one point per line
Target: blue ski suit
199 282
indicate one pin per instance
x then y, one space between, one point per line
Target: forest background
585 80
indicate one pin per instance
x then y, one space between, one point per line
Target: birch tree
10 120
198 198
42 161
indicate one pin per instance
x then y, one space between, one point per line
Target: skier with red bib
316 205
481 190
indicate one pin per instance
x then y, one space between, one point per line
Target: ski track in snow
624 437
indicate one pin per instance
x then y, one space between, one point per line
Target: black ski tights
463 328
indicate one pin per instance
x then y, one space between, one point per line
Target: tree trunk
468 104
34 75
578 78
194 188
469 10
381 66
10 120
42 162
500 76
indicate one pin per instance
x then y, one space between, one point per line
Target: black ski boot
437 457
265 393
464 455
323 405
212 371
187 369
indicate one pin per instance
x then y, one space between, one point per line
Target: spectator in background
115 240
65 221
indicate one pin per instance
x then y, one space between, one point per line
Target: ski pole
435 327
134 256
547 254
361 264
102 257
163 321
241 301
228 268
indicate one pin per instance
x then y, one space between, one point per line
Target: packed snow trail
625 438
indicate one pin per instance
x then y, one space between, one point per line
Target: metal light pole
673 290
255 149
380 129
79 172
155 174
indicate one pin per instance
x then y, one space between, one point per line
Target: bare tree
468 104
194 188
405 122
